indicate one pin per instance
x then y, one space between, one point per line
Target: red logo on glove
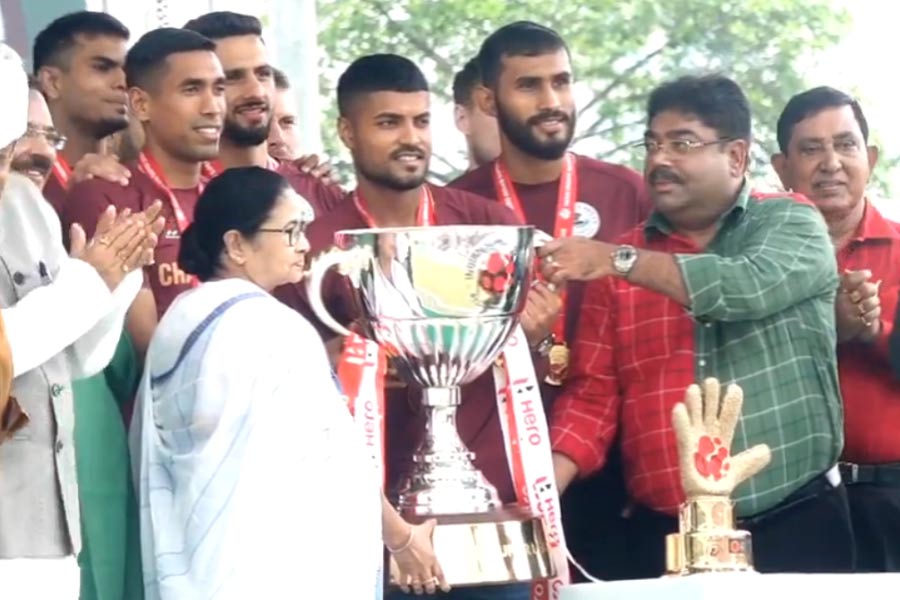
711 458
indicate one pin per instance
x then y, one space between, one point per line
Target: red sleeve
585 416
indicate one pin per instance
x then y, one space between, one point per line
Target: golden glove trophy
704 427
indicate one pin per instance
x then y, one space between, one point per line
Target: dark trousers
875 510
593 523
809 532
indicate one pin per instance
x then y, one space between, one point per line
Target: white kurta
253 478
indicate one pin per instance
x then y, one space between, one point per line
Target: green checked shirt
761 315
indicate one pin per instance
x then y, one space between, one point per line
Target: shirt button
701 362
56 390
59 446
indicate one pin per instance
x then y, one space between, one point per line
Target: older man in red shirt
822 137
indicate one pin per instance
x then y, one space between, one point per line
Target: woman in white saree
253 478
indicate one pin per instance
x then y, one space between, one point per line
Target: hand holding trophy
704 427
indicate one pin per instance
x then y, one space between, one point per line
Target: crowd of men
652 283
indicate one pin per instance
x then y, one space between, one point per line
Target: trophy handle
317 270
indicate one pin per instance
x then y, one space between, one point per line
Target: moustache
663 174
407 149
36 162
548 115
261 104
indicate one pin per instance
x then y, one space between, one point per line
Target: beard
245 137
392 181
523 137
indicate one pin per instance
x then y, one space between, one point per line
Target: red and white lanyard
63 171
564 225
424 215
153 171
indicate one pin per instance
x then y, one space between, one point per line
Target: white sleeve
92 351
52 317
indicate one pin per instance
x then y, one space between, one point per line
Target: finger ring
125 268
103 241
550 260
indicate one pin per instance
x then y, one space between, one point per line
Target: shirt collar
874 226
658 224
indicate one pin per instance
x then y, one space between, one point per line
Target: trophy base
505 545
708 552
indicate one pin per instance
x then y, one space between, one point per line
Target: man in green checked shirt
719 282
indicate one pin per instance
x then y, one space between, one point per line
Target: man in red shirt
384 105
176 88
822 137
527 85
249 93
718 282
79 61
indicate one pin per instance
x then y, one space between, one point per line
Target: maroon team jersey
610 202
87 200
55 193
322 197
478 421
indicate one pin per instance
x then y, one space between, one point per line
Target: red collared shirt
871 393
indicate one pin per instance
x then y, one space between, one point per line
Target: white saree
253 480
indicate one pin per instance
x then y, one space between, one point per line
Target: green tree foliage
621 49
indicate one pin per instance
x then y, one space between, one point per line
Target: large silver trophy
442 302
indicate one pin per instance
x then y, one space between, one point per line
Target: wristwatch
543 347
623 259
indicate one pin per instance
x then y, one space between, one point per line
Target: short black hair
522 38
223 207
225 24
465 82
716 100
281 79
60 35
147 58
378 73
810 103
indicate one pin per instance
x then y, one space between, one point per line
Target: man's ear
485 100
50 81
779 163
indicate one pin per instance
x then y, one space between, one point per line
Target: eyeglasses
293 231
677 147
53 137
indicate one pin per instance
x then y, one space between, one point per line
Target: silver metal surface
441 302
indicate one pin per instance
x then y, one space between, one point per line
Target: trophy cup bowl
442 303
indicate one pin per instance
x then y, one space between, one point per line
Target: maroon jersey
55 193
87 200
611 201
478 421
323 198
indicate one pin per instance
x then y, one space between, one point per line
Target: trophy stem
444 480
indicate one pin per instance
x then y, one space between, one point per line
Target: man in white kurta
254 481
62 323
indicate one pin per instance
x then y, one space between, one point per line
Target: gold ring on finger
103 240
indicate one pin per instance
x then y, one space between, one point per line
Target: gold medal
559 364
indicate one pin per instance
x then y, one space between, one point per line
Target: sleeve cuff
702 279
585 455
